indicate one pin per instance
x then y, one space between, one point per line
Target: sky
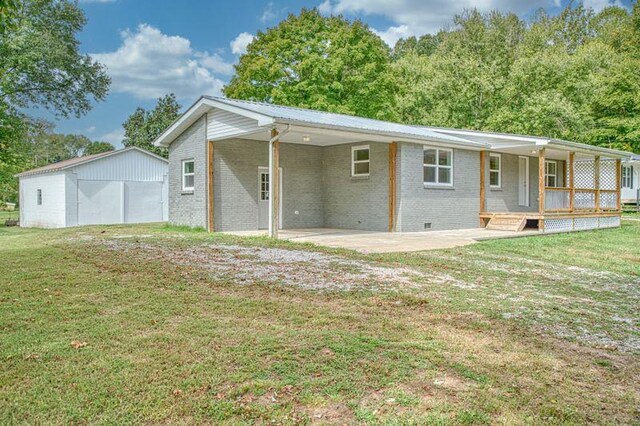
189 47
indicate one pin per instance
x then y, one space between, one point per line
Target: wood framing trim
210 221
596 181
483 198
541 183
393 153
572 194
274 182
619 184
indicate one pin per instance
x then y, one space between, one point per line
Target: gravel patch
276 266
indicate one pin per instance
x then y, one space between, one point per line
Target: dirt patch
297 268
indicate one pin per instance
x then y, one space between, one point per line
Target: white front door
263 197
523 181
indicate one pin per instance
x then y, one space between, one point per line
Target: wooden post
541 180
596 180
483 160
210 222
572 190
393 152
274 185
618 184
541 188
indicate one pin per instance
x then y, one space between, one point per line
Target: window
188 175
550 173
264 186
438 166
495 166
627 177
39 197
360 161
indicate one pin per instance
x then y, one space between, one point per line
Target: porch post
393 152
596 180
483 200
541 182
572 189
210 222
618 184
274 183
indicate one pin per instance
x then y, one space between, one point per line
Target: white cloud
240 43
269 13
114 137
417 17
150 64
91 129
598 5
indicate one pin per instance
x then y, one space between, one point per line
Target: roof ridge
221 98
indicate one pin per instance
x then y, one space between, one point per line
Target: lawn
156 324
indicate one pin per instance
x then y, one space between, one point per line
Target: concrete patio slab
389 242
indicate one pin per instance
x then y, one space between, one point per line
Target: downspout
274 139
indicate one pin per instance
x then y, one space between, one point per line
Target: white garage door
99 202
110 202
142 202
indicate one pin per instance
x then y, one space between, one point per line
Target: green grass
526 331
4 215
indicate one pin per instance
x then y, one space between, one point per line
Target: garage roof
72 162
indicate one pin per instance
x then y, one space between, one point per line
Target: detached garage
125 186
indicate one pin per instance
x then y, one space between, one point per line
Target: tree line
574 76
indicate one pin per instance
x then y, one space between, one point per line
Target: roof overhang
525 145
267 122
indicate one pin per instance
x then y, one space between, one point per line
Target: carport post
274 183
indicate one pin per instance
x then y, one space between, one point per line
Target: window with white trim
551 173
360 161
627 177
438 166
39 196
188 175
495 170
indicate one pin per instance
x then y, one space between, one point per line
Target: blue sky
154 47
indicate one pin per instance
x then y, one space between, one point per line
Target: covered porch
575 188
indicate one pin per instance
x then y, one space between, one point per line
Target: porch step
511 222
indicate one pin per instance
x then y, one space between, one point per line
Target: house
631 180
240 165
125 186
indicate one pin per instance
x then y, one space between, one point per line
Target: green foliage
98 148
143 127
572 76
318 62
8 13
40 63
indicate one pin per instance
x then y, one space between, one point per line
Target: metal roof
65 164
301 116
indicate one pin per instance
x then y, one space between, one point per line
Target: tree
40 63
143 127
317 62
8 13
461 83
98 148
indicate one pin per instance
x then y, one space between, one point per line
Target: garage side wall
49 214
455 207
189 208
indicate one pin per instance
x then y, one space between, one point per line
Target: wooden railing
565 199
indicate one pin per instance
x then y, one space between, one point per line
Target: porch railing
559 199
